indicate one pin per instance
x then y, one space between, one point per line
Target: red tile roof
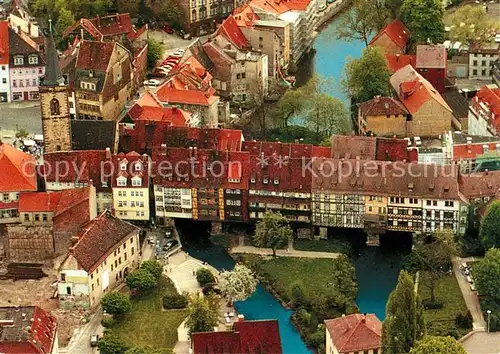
70 198
431 56
98 238
176 116
398 61
491 98
279 7
94 55
355 333
392 149
132 161
397 32
245 16
479 185
43 327
189 97
17 170
113 24
381 106
230 29
352 146
4 43
414 91
247 337
30 202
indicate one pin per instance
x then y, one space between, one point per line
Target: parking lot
164 242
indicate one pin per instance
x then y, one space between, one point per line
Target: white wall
5 81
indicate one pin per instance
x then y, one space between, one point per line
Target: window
26 217
132 251
63 276
474 63
138 166
4 81
18 60
14 83
54 107
33 59
44 217
35 82
121 181
428 203
136 181
3 67
37 217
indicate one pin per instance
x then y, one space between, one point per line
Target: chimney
241 318
98 21
163 149
397 57
191 151
195 152
363 319
108 153
19 29
74 240
145 158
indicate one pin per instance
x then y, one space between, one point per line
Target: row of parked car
467 273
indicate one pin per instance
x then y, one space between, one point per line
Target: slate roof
17 170
381 106
53 75
247 337
396 31
457 102
431 56
92 135
98 238
355 333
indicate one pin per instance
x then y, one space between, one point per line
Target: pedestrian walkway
283 253
481 343
470 297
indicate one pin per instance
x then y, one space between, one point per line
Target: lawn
147 324
283 272
331 245
442 321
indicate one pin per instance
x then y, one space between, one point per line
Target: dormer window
123 166
276 181
137 181
252 180
87 86
18 60
33 59
265 181
91 73
138 166
121 181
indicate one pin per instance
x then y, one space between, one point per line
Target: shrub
317 338
464 321
298 297
175 301
107 322
204 276
303 318
115 303
432 305
153 267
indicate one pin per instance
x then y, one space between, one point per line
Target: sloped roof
245 16
431 56
176 116
4 42
148 99
230 29
30 202
17 170
355 333
278 7
94 55
131 159
396 31
381 106
98 238
113 24
481 184
351 146
191 97
398 61
95 135
414 90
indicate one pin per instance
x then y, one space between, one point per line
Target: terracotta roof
71 197
397 61
270 6
381 106
94 55
247 337
414 91
479 185
431 56
98 238
490 97
38 201
148 99
132 161
4 42
351 146
230 29
190 97
355 333
245 16
176 116
113 24
17 170
397 32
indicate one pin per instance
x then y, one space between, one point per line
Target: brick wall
29 243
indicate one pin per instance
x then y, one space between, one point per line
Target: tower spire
53 74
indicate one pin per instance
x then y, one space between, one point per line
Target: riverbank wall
330 12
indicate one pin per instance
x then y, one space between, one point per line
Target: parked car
322 8
418 141
473 287
94 338
408 140
469 279
152 83
168 29
171 244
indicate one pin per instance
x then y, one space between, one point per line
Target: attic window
276 181
446 188
265 180
138 166
121 181
87 86
123 166
431 187
252 180
410 186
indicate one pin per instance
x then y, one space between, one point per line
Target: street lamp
489 313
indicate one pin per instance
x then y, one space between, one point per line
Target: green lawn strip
147 324
334 246
442 321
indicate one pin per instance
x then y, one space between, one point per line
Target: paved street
80 342
283 253
482 343
470 297
25 115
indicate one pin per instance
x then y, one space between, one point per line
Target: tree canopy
404 324
344 281
367 76
203 313
204 276
141 279
238 284
110 343
487 275
154 267
155 52
438 345
490 227
115 303
471 24
424 19
273 231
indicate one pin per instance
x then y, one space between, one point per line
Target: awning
38 137
28 142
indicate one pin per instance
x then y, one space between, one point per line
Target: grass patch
147 324
331 245
442 321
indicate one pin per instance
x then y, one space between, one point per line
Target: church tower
54 94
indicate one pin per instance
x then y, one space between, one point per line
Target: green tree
128 6
471 24
110 343
364 18
434 259
155 52
298 297
115 303
487 275
238 284
142 280
204 276
172 12
424 19
404 323
490 227
438 345
367 76
394 8
154 267
148 350
344 281
202 314
328 115
291 104
64 21
22 133
273 231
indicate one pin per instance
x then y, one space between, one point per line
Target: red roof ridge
397 31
